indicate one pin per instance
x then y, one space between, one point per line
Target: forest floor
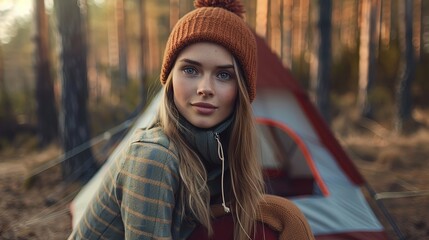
396 167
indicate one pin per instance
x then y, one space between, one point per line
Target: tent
302 159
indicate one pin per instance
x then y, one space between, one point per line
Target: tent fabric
345 210
273 75
306 155
334 204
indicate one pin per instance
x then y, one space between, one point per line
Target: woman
201 151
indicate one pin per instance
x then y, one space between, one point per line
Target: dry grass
396 167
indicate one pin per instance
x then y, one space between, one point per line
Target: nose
205 87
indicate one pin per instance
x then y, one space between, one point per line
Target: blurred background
70 71
366 50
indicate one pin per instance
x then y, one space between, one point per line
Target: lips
204 108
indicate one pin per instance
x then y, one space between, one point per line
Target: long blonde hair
245 170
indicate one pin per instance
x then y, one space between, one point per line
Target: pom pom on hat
230 5
220 22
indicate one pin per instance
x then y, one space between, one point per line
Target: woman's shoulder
153 135
148 158
152 143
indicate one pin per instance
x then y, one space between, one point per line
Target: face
204 84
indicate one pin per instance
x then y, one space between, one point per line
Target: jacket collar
204 140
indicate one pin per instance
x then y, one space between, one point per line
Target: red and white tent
302 159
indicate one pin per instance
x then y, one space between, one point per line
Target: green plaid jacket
138 196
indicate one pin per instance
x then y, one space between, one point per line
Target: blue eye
224 75
189 70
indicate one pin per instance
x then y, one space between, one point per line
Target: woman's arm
146 187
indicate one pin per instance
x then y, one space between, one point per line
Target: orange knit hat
217 21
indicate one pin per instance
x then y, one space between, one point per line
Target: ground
394 166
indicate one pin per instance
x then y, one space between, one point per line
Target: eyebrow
199 64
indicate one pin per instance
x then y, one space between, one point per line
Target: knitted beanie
220 22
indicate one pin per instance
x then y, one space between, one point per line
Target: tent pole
385 212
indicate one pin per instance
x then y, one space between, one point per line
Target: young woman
201 151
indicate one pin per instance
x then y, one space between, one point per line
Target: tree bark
6 111
250 14
394 18
122 43
286 32
349 16
367 49
321 60
262 7
275 26
406 67
143 56
424 36
6 105
174 12
79 162
185 7
386 22
154 43
417 28
47 116
314 54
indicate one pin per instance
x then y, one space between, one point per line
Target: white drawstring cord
225 208
222 159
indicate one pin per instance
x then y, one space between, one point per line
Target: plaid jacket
138 196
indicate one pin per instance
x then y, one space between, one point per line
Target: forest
72 70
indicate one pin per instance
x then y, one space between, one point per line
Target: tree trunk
286 32
377 28
314 54
94 89
5 100
174 12
122 43
386 22
154 43
79 162
367 51
417 28
143 56
250 14
303 28
424 36
406 68
320 75
394 20
113 51
6 112
275 26
47 118
185 7
262 7
349 22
